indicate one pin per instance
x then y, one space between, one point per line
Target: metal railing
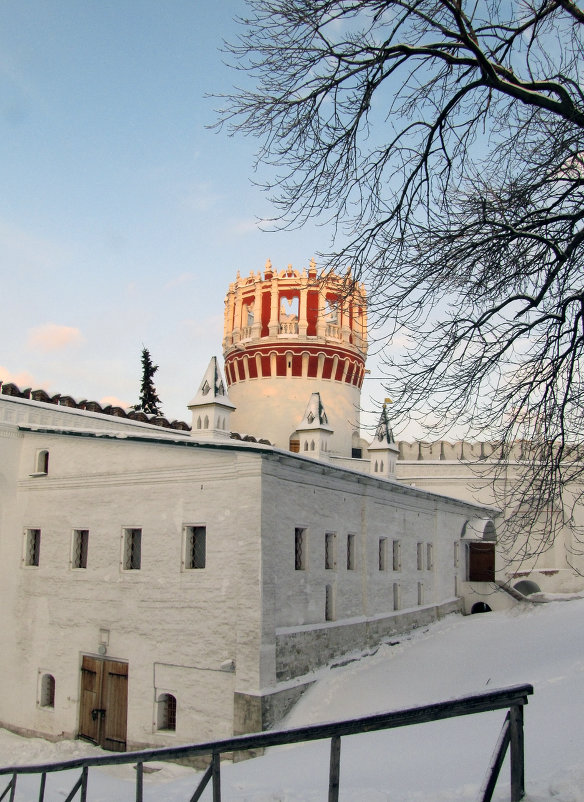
513 698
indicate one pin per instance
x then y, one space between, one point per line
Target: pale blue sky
122 217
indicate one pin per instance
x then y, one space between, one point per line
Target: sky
123 215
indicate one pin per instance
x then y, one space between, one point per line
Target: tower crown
317 320
288 334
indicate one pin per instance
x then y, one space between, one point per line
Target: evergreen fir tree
149 401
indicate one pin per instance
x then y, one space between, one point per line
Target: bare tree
444 140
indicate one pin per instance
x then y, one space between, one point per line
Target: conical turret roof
212 388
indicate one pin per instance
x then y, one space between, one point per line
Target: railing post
42 787
84 773
335 769
215 765
139 781
517 753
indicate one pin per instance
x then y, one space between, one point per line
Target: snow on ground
438 762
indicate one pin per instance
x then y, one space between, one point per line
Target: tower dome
288 335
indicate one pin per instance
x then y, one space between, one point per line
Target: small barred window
195 547
132 549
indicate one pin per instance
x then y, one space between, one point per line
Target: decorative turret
314 431
383 451
288 335
211 406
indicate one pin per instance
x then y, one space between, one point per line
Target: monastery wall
176 628
405 567
28 412
221 640
437 467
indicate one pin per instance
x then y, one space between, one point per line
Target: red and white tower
288 335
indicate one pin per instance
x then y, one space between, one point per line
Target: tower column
228 322
274 327
303 309
256 329
237 316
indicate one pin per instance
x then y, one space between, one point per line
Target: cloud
22 379
114 401
52 337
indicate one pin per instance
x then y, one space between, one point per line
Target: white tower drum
288 335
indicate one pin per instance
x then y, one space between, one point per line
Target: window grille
429 556
350 552
167 712
80 546
32 547
300 549
47 695
383 554
329 551
396 596
329 604
396 556
132 549
196 547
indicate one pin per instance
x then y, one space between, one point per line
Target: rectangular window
132 549
80 545
383 554
396 556
329 610
350 552
32 547
429 556
420 556
396 596
329 551
300 549
456 554
420 593
195 547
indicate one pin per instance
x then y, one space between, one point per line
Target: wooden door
104 702
481 562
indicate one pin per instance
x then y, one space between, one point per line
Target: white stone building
159 586
163 585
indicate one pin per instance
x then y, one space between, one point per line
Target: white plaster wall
272 408
320 500
26 412
177 628
174 628
559 568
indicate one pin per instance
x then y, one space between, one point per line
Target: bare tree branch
445 141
